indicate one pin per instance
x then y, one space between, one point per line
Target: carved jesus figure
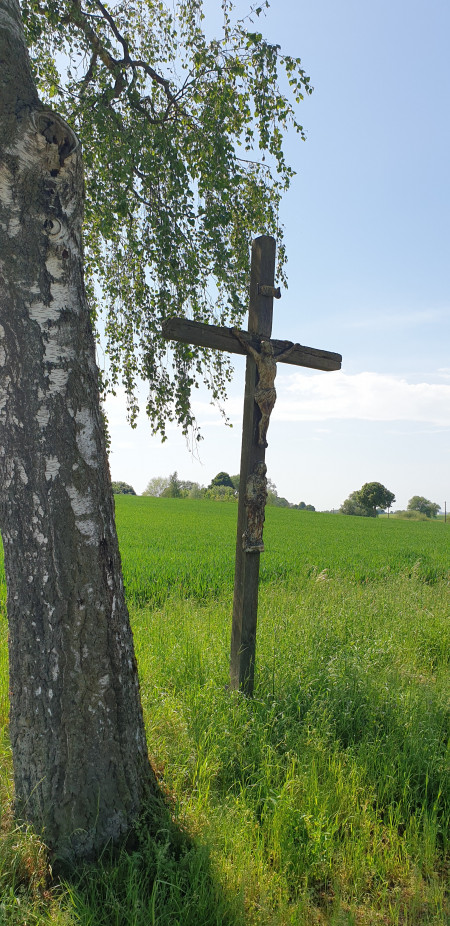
266 364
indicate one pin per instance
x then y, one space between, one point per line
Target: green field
187 547
325 799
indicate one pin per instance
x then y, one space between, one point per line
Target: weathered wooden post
246 577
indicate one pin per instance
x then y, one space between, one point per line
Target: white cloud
368 396
317 397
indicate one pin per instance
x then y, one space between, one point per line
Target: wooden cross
252 487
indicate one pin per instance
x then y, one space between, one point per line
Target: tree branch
120 38
116 66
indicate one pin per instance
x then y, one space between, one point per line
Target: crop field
323 800
187 548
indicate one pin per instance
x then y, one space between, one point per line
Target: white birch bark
80 758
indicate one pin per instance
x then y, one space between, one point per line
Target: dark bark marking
57 133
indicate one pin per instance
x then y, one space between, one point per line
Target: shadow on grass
164 876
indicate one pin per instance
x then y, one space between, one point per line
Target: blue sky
367 230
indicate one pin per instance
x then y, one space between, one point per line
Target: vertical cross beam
245 605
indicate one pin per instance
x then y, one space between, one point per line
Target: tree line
222 487
370 500
373 498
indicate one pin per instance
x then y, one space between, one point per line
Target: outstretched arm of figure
286 352
247 347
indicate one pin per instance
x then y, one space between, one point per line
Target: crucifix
263 353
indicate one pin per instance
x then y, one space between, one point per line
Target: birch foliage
182 136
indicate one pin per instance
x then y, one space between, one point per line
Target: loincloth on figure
265 398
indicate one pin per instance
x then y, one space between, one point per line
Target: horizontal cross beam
220 338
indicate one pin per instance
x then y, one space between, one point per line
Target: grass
325 799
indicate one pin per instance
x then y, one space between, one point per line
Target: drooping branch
136 63
175 128
116 66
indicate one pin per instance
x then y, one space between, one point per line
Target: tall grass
325 799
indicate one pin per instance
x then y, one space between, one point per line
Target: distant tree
365 501
236 480
419 503
374 495
174 489
302 506
221 493
156 486
272 493
222 479
122 488
186 485
196 491
281 502
353 507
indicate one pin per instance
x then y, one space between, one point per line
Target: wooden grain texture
246 576
221 338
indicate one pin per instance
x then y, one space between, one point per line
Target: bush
222 479
122 488
410 516
419 503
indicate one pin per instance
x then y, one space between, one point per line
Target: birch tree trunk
80 758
